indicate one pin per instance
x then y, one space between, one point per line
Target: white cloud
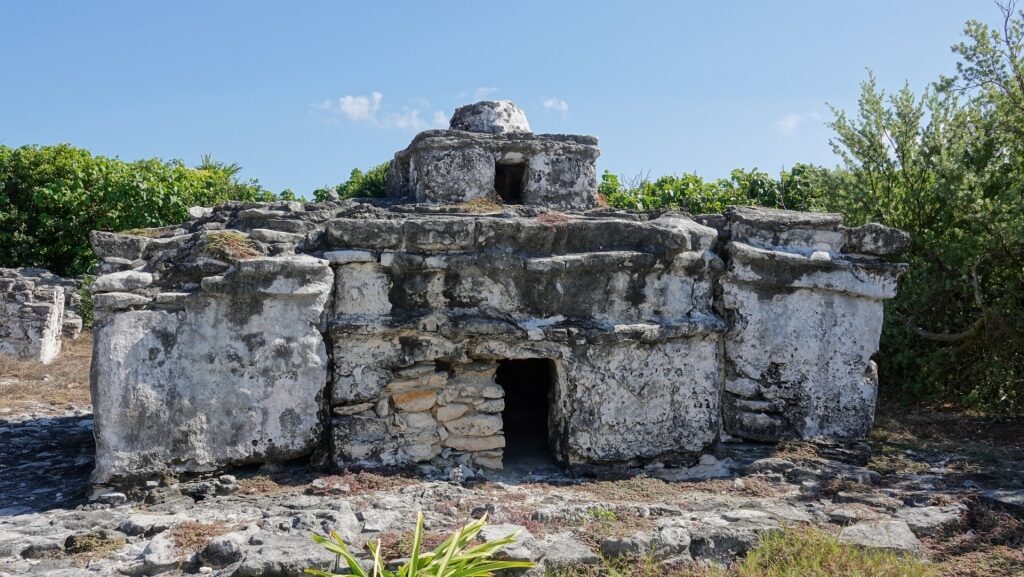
789 123
360 108
483 92
556 104
440 119
407 119
370 109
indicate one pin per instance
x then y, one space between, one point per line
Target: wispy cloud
370 109
483 92
791 122
360 108
556 104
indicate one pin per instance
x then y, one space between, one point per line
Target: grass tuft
192 536
146 232
230 245
794 552
553 218
809 552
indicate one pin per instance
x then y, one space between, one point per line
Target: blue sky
299 93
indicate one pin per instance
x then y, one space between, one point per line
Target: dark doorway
508 182
528 389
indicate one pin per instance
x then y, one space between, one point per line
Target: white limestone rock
888 535
123 281
235 377
490 116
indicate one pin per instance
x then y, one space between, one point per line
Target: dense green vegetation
52 196
801 188
947 165
372 184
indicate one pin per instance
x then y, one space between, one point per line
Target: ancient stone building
37 310
489 151
422 330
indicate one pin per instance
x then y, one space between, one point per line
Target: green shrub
369 184
452 558
85 309
798 189
52 196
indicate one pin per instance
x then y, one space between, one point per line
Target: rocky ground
948 489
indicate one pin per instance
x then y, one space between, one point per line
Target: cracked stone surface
258 522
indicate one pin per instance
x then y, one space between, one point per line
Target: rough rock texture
36 311
230 372
805 319
490 116
207 357
262 519
595 298
888 535
489 152
415 334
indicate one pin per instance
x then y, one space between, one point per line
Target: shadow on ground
44 463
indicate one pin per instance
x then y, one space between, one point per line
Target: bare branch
971 331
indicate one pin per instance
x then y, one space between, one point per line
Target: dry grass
990 543
146 232
480 205
230 245
793 552
367 482
192 536
758 487
988 449
796 451
92 546
398 545
603 524
632 489
65 381
553 218
258 485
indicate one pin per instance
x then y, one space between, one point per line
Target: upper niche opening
508 181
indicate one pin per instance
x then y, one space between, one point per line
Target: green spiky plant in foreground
452 558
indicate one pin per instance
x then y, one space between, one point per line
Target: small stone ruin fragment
37 310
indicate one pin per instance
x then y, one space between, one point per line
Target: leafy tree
372 183
797 189
52 196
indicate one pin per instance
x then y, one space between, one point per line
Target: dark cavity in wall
528 386
508 181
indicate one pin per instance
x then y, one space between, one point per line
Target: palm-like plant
452 558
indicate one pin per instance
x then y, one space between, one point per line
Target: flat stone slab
1010 498
888 535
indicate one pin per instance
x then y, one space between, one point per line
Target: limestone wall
805 312
258 332
36 313
446 166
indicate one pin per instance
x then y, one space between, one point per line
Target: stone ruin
425 329
37 310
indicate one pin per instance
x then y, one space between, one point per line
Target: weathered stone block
235 377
